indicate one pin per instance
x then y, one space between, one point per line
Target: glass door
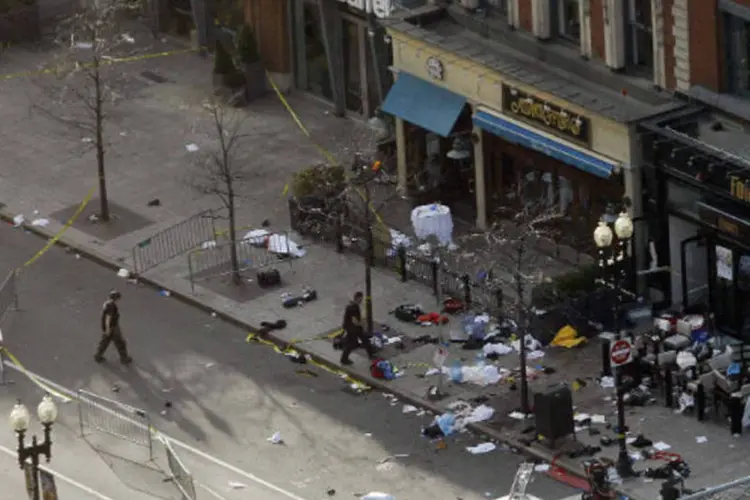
724 303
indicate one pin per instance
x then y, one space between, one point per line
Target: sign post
621 352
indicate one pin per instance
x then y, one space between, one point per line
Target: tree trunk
522 323
236 277
99 113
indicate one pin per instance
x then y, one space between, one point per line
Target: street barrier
174 241
180 474
114 418
254 254
8 295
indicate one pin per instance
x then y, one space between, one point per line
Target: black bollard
435 284
735 415
401 253
467 291
700 402
668 389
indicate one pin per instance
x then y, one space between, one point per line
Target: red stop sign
620 352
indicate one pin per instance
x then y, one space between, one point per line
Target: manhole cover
150 75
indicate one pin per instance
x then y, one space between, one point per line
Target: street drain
150 75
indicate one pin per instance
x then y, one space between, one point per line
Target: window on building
640 34
737 48
569 24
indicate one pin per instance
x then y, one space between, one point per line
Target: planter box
20 25
255 80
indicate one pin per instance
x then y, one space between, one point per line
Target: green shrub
560 288
319 181
246 46
223 64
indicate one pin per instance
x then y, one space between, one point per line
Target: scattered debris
481 448
236 485
701 439
123 273
127 38
410 409
541 467
156 202
192 148
209 365
87 140
276 438
165 293
40 222
18 220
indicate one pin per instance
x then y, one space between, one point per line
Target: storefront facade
697 202
521 141
340 53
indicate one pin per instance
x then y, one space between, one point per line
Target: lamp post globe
603 235
47 410
624 226
19 418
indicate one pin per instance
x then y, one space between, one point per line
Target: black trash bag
408 313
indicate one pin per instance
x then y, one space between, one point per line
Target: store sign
739 187
540 113
381 8
435 68
726 223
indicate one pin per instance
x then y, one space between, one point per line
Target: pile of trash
460 415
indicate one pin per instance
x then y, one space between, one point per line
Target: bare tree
511 262
220 174
83 90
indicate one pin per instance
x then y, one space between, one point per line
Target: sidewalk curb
92 254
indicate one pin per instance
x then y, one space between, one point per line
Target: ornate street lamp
19 422
614 257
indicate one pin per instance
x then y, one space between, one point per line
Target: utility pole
521 329
369 261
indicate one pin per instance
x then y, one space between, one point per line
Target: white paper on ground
607 382
498 349
281 244
535 355
237 486
40 222
481 448
192 147
410 409
661 446
481 413
276 438
541 467
598 419
123 273
18 220
580 417
517 415
701 439
376 495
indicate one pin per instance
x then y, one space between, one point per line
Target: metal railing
174 241
114 418
8 295
251 254
180 474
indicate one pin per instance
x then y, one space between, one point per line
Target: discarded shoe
641 442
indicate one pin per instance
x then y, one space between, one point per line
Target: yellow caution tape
104 62
67 225
356 384
39 383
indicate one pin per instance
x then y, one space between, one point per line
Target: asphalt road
227 397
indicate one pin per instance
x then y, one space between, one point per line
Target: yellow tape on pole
67 225
37 382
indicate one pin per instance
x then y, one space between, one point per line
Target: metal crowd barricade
251 254
180 474
8 295
174 241
114 418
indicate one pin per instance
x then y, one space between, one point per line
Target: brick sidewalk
149 161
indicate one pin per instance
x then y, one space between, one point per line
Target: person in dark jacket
354 333
111 333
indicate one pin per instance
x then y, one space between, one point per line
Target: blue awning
516 132
426 105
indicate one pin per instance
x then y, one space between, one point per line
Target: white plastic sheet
281 244
256 237
481 448
499 349
433 220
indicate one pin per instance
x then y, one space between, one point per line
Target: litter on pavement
40 222
481 448
192 147
275 438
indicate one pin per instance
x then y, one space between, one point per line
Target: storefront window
569 22
318 75
352 44
737 45
641 37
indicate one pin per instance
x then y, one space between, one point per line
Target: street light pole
19 421
603 237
